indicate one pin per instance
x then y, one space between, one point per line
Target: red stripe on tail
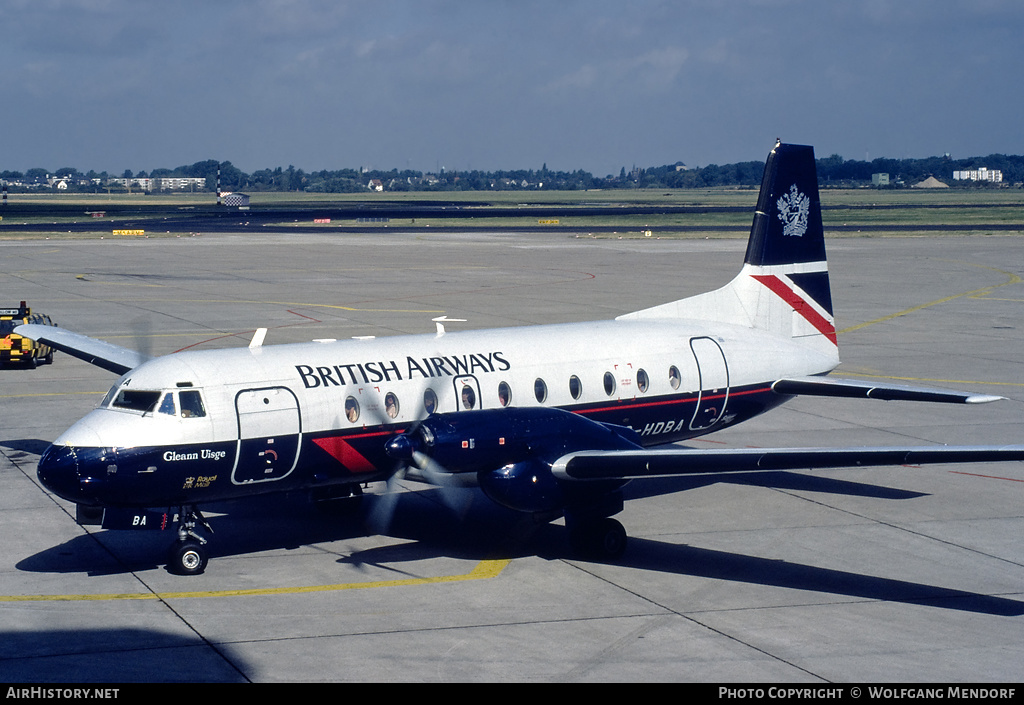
820 323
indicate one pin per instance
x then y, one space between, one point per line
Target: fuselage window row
468 396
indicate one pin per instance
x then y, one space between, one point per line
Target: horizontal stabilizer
110 357
833 387
624 465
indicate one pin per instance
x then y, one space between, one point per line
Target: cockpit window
109 396
167 405
191 404
136 400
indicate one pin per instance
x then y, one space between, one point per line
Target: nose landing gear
188 555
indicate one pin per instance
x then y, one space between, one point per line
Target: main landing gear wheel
604 539
187 558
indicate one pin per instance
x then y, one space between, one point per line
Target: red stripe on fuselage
689 398
345 454
778 287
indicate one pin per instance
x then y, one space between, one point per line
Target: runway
893 574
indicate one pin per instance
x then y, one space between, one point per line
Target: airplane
552 421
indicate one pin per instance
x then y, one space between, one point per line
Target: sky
597 85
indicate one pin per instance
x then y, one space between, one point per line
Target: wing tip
983 398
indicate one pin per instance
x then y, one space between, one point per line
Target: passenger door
713 371
269 434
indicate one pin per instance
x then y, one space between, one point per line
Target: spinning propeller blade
414 464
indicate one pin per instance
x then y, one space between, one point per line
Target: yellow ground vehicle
15 348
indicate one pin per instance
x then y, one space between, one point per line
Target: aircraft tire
611 538
187 558
603 539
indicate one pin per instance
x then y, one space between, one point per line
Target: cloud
590 84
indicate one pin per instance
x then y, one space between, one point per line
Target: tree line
833 171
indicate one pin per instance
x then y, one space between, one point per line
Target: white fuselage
666 379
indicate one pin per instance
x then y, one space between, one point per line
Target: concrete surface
863 575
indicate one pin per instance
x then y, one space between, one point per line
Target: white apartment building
982 174
164 183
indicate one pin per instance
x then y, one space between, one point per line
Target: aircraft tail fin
783 287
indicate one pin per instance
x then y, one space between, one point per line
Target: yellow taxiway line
848 373
1011 278
484 570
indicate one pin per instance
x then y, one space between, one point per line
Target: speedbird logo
794 208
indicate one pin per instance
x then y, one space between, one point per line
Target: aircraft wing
626 464
110 357
834 387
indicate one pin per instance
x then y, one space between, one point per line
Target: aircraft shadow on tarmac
780 480
116 656
34 446
648 554
427 529
288 522
734 567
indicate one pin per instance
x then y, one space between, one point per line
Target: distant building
879 179
165 183
982 174
237 200
143 183
180 183
375 185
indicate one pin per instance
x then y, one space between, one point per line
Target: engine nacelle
527 486
511 451
475 441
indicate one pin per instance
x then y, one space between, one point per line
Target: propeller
379 518
408 448
142 334
413 463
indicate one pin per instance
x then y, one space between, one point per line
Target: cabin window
642 380
504 394
391 404
674 378
352 409
429 401
540 390
468 397
609 383
191 402
167 405
575 387
136 400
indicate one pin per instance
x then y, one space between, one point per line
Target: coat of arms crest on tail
793 210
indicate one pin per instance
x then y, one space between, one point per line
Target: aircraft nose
58 471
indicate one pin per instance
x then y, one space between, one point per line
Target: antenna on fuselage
257 338
444 319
